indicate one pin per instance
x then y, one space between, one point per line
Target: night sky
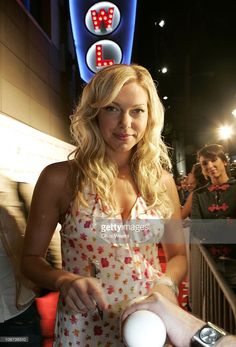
198 45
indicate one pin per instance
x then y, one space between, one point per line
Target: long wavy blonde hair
94 169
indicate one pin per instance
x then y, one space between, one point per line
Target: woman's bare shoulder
167 180
167 177
58 172
57 178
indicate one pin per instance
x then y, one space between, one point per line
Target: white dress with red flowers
126 258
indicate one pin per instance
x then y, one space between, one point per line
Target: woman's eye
114 109
137 111
111 109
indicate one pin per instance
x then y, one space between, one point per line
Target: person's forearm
42 274
176 268
227 341
184 213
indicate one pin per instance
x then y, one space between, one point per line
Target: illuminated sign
103 53
103 33
102 18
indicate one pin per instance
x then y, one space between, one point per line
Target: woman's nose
209 164
125 119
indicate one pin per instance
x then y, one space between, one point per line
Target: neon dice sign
103 33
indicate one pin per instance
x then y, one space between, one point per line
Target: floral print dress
126 259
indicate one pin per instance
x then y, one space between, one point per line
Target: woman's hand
82 294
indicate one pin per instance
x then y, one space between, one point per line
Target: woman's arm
44 215
186 209
173 243
51 198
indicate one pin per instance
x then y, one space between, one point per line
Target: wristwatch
208 336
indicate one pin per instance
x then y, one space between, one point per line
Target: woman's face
213 168
123 122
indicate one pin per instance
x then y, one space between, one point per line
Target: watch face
208 335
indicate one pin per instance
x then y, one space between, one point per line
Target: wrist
65 279
167 281
229 341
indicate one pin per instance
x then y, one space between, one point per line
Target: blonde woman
115 201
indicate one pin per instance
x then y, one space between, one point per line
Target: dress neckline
119 215
131 210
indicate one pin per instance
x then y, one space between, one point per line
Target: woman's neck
220 180
122 160
124 172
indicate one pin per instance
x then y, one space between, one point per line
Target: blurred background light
225 132
164 69
161 23
234 112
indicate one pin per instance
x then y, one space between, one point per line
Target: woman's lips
123 137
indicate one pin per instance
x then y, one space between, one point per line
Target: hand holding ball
144 329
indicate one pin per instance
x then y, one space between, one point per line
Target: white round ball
144 329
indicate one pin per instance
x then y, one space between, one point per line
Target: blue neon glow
83 39
27 4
